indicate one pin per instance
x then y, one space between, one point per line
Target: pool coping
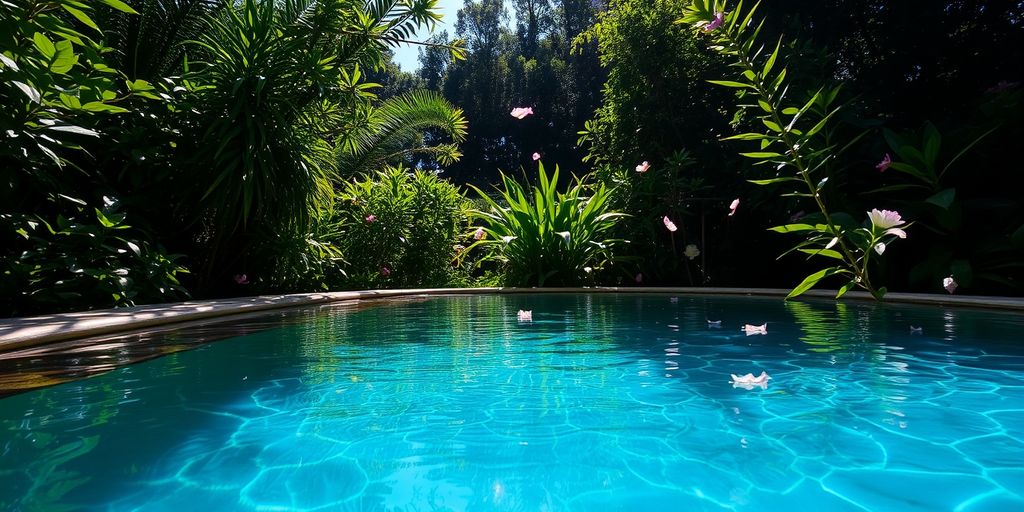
19 333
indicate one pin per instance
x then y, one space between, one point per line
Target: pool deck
18 333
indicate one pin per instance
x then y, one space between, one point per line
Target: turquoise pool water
603 402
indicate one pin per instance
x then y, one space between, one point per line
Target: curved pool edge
19 333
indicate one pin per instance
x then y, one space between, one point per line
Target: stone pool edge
19 333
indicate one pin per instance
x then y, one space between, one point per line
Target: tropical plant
396 129
400 229
546 237
271 86
795 146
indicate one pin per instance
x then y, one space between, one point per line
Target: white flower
691 251
949 284
885 219
880 248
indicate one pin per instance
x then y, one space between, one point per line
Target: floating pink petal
885 163
525 316
749 382
521 112
949 284
715 23
241 279
642 168
671 226
536 156
751 330
479 234
371 218
733 205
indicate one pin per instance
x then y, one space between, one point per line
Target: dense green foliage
224 140
249 142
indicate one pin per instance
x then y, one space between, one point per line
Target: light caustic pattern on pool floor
601 403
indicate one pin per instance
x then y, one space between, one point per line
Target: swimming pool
602 402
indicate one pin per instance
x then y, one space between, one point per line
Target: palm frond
396 128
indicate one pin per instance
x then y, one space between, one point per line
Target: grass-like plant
793 142
546 237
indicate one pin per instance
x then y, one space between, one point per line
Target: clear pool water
603 402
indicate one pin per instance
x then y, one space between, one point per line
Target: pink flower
371 218
885 219
536 156
639 278
949 284
671 226
642 168
241 279
715 23
749 382
885 163
385 272
751 330
521 112
733 205
479 234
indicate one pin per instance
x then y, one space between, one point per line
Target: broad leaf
812 280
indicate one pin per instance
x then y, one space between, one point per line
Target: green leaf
943 199
7 61
104 220
771 60
772 181
64 59
846 287
794 228
828 253
28 90
44 45
749 136
75 129
99 106
879 293
119 5
81 16
772 125
761 154
765 106
729 83
812 280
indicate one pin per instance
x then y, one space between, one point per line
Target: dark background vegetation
148 154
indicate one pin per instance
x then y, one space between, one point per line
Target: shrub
400 229
87 260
